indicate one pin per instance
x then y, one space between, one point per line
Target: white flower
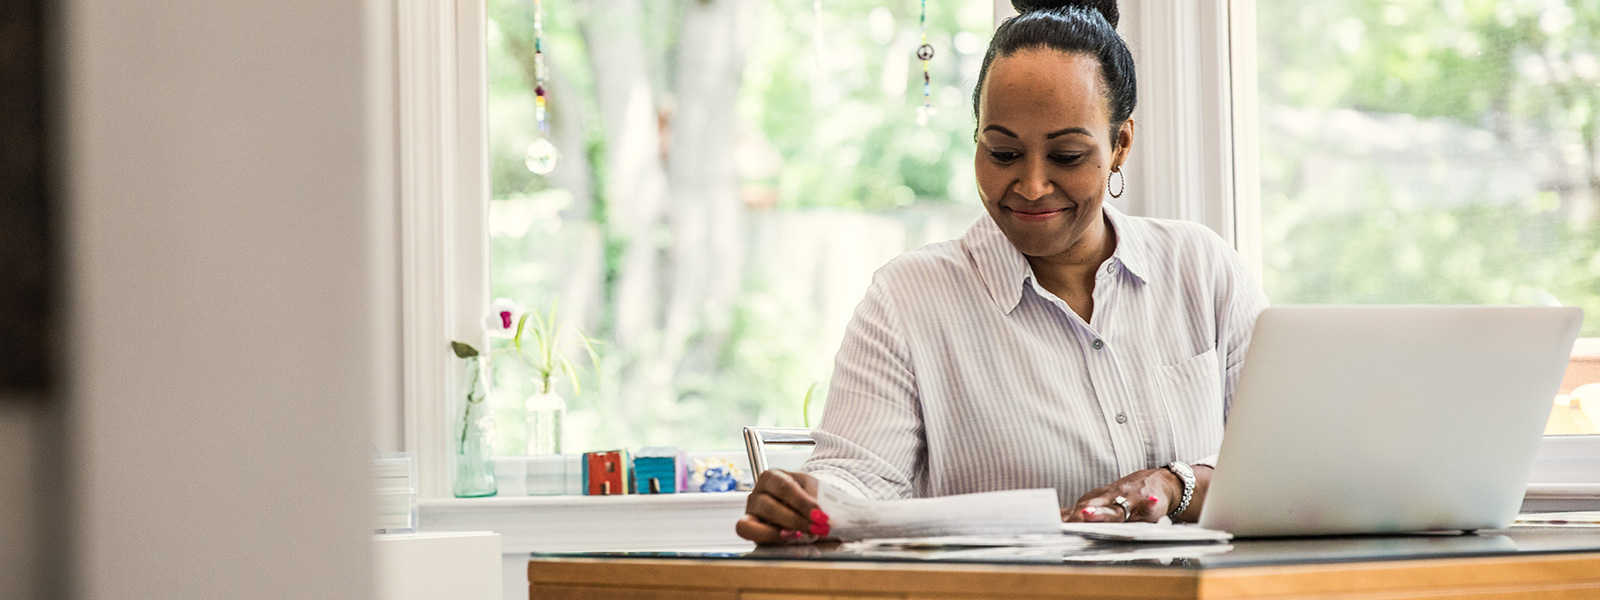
502 319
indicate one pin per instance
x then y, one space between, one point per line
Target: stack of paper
1032 540
394 477
1146 532
1008 513
1162 553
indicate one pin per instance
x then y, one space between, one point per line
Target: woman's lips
1037 215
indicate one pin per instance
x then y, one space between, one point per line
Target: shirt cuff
1209 461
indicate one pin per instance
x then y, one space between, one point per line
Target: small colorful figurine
715 475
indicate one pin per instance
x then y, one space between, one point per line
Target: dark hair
1074 27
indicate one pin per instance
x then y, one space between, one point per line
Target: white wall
228 231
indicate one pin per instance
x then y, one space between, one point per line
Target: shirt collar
1131 247
1005 271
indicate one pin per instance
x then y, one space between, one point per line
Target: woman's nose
1035 182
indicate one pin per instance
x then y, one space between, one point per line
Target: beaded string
925 52
538 66
541 157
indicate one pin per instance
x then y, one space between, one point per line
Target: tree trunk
634 190
707 217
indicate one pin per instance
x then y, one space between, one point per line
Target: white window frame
444 211
1197 160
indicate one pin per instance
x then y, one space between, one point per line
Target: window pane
731 172
1436 151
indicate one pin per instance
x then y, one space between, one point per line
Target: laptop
1387 419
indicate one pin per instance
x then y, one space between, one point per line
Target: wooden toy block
660 471
606 473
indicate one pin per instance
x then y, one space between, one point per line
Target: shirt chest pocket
1191 393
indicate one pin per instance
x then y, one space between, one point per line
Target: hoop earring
1123 179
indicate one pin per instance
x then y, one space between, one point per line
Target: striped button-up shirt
959 373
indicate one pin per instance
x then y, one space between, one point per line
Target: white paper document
1145 532
1031 540
1014 512
1163 553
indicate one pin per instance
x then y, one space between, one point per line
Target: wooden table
1543 563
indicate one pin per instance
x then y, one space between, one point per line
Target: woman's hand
782 509
1150 494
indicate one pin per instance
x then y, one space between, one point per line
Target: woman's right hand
782 509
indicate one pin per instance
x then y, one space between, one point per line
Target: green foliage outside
830 129
827 122
1525 72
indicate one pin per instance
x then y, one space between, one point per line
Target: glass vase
474 444
546 413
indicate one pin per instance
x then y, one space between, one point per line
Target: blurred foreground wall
223 215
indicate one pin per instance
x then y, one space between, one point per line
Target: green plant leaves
463 350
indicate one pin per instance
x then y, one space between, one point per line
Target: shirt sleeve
870 440
1239 301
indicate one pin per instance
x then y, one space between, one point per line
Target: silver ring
1127 509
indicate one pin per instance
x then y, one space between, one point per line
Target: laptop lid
1378 419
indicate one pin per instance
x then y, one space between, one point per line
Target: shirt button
1098 344
1122 418
1111 268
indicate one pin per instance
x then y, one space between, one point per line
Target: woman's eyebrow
1055 134
1049 136
1002 130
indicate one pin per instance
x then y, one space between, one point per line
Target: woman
1058 343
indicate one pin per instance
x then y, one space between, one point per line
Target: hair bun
1106 8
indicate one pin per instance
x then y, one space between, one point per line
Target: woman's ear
1122 144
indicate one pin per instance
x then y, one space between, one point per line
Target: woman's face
1045 149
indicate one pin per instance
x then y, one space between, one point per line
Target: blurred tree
1525 70
690 130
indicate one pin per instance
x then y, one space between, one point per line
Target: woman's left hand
1150 494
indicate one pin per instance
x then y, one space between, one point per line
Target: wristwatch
1185 474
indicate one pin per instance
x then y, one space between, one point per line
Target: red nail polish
817 516
1153 500
819 530
1088 511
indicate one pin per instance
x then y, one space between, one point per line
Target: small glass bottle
546 413
475 443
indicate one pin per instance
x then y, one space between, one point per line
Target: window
801 116
1438 152
731 174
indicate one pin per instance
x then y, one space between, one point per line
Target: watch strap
1185 474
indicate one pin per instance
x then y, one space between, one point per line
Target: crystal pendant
541 157
924 113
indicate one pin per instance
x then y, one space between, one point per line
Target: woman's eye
1065 159
1004 156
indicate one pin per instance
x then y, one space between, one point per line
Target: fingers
787 488
753 529
1142 491
1149 508
791 491
774 512
782 509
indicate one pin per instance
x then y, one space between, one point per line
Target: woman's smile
1038 215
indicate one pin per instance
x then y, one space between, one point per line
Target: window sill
1561 497
588 523
667 522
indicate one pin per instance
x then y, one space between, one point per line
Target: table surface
1522 563
1517 541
